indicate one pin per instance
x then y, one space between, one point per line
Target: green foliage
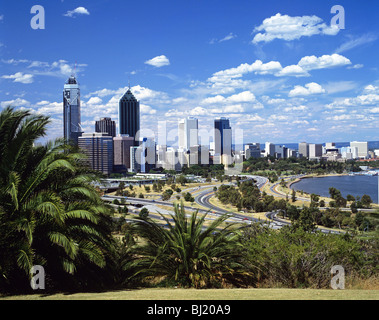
271 167
295 258
50 214
189 253
188 197
144 213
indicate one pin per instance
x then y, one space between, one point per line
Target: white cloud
15 103
310 88
147 109
20 77
158 61
229 78
94 101
228 37
293 70
325 61
290 28
340 86
356 66
49 108
77 11
356 42
60 68
295 108
371 88
245 96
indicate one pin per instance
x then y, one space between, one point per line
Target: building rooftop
128 96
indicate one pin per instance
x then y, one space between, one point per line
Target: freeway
167 203
202 197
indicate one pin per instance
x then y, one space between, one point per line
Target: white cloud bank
20 77
288 28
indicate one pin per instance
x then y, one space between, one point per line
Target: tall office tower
143 157
269 149
188 133
222 138
315 150
98 147
362 148
106 125
304 149
121 157
71 111
129 116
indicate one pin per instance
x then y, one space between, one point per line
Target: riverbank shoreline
289 185
358 185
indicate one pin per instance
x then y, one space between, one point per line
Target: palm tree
188 252
50 214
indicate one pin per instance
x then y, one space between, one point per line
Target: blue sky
279 70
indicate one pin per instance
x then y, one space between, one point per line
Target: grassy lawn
210 294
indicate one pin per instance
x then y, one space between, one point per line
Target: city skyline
311 82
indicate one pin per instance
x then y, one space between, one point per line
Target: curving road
202 197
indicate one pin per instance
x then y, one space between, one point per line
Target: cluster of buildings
356 151
126 151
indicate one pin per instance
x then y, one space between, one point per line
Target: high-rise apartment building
71 111
106 125
129 116
99 150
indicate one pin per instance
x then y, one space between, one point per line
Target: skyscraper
188 133
99 150
121 157
129 115
222 137
106 125
304 149
71 111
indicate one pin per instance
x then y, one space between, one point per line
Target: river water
354 185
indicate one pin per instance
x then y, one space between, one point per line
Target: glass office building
71 111
129 116
99 150
222 137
